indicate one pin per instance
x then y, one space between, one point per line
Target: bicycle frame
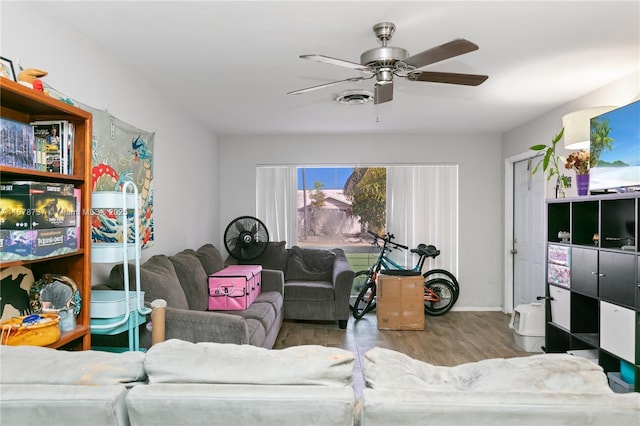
365 301
385 263
429 295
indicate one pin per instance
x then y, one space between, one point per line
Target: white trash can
527 322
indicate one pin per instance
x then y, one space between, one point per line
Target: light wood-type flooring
451 339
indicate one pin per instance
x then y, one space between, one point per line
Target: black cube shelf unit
597 307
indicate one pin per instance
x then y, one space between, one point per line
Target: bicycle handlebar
387 239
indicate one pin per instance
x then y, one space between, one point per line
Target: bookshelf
598 307
22 104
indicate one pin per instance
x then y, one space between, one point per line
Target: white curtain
276 201
422 207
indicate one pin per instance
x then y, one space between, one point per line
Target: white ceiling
230 64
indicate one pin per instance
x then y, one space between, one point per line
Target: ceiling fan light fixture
354 97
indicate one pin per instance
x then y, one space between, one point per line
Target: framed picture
7 69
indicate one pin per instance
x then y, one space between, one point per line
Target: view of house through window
334 207
337 205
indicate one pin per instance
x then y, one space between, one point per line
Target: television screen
615 150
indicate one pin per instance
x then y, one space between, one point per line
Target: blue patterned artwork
120 153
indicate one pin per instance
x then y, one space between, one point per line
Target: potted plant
579 161
551 162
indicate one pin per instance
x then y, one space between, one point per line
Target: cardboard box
14 209
400 303
37 205
55 241
16 244
53 211
36 244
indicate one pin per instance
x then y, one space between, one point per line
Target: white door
528 234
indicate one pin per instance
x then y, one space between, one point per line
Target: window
336 205
333 207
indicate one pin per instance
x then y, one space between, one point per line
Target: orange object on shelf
42 333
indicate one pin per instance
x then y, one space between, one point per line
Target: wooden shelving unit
25 105
599 309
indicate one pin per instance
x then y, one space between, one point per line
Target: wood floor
451 339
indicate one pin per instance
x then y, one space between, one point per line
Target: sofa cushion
158 280
261 311
53 405
241 405
387 369
274 257
273 298
193 279
210 258
245 364
309 264
312 291
38 365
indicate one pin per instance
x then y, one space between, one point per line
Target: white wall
480 191
542 129
185 152
516 143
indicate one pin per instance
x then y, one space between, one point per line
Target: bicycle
439 293
426 251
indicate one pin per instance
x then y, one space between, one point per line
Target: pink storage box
234 287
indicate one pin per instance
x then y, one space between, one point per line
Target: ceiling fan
384 62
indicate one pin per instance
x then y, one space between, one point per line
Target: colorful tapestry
120 153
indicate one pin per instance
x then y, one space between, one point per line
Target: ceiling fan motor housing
384 56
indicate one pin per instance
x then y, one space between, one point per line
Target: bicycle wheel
438 296
443 273
365 301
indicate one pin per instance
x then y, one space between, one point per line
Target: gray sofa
549 389
182 281
177 383
317 282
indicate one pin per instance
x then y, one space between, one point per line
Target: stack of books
40 145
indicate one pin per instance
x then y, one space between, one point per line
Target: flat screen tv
615 150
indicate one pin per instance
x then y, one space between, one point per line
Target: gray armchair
317 282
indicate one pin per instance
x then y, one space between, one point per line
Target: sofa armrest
205 326
273 280
342 281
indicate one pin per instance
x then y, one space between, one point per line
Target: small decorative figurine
31 78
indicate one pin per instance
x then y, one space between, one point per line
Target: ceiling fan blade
440 53
335 61
322 86
448 77
383 92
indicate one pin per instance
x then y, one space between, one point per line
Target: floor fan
246 238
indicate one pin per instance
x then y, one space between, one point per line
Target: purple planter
583 184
